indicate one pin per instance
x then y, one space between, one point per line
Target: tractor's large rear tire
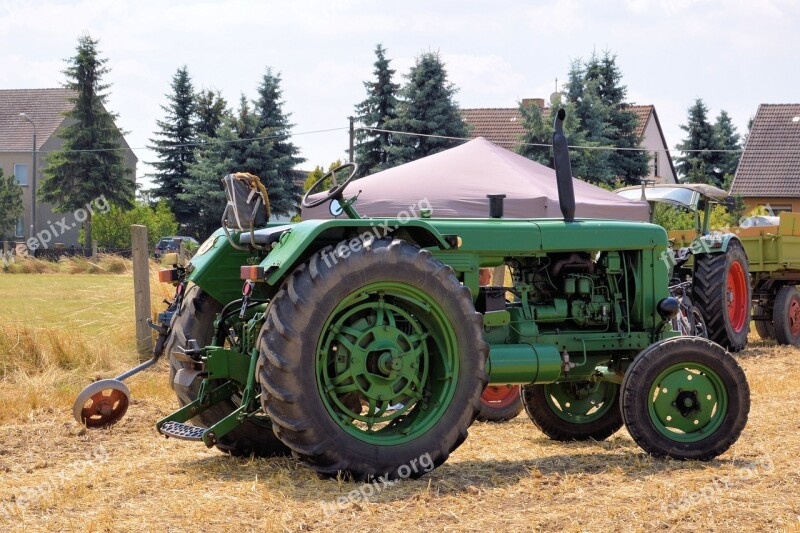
372 361
721 290
500 403
574 410
786 316
195 320
685 398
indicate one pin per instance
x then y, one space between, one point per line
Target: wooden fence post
181 253
141 287
94 246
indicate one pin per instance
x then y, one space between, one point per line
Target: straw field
59 331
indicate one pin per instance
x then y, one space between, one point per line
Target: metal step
182 431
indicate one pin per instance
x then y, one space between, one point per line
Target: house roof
500 125
45 107
770 163
503 125
643 113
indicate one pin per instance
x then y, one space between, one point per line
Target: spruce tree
538 138
10 204
376 111
427 107
728 139
210 109
603 80
279 155
254 140
175 145
90 162
219 156
699 163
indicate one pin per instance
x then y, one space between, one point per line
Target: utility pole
33 179
352 138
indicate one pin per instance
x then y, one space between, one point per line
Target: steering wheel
333 192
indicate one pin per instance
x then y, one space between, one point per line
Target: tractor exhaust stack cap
566 192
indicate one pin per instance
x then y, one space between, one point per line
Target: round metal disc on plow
101 404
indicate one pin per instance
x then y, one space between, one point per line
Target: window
655 163
21 173
20 230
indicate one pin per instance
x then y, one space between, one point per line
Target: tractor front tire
372 361
685 398
500 403
721 290
195 320
574 411
786 316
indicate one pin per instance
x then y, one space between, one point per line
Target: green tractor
714 263
363 346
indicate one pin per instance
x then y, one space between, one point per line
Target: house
503 126
44 109
768 174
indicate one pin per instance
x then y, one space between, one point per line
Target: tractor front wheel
500 403
574 410
685 398
786 316
195 320
372 361
721 290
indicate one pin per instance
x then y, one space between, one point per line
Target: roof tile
45 107
770 163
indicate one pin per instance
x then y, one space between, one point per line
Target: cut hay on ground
57 476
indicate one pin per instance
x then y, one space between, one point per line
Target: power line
433 136
578 147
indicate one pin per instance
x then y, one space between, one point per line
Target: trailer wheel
372 361
764 328
500 403
786 316
685 398
721 290
195 320
574 410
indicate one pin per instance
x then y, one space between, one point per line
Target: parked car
170 244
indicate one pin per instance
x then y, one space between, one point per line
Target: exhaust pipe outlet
566 193
496 205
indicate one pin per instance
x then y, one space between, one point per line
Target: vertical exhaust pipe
566 193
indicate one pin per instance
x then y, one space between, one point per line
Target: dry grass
58 476
105 264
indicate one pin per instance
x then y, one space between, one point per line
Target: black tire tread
636 387
281 363
780 316
556 428
195 320
709 284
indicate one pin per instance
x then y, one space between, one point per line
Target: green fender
307 237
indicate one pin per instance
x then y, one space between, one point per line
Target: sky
733 54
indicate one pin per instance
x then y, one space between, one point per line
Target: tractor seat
264 236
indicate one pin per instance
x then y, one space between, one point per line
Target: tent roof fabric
454 184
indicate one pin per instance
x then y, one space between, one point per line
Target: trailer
773 252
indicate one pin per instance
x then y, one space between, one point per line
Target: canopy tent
454 184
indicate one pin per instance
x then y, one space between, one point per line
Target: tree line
201 138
